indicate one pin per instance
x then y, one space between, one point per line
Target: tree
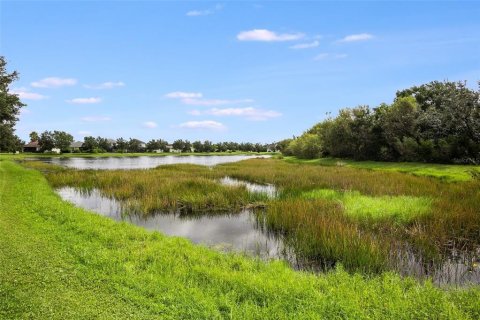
103 144
121 145
9 142
10 106
46 141
62 140
135 145
34 136
197 146
178 144
208 146
187 147
307 146
90 144
159 144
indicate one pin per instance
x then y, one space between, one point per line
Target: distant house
56 150
76 146
33 146
143 145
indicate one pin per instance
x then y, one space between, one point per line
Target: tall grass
320 232
364 215
60 262
188 188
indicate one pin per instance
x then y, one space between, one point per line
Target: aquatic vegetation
329 214
400 209
58 261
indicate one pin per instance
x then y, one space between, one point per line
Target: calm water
269 189
245 232
144 162
240 231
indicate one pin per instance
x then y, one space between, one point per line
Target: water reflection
268 189
239 231
144 162
246 231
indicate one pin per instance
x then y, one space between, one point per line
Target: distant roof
76 144
32 144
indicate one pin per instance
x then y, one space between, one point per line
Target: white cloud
84 133
267 36
150 124
197 13
183 95
357 37
24 94
84 100
96 118
54 82
196 99
207 124
250 113
106 85
308 45
213 102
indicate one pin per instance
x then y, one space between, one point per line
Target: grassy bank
58 261
446 172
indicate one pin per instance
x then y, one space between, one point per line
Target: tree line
10 107
63 141
433 122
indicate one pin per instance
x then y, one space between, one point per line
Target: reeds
364 215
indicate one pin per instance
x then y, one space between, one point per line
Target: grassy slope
58 261
447 172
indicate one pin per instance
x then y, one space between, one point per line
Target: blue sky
241 71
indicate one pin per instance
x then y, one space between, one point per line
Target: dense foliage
57 139
49 140
10 106
434 122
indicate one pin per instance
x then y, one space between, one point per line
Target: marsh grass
332 214
400 209
444 172
188 188
319 231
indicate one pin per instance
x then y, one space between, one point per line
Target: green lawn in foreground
61 262
447 172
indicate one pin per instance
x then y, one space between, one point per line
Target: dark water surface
144 162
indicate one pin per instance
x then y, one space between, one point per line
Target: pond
240 231
144 162
245 231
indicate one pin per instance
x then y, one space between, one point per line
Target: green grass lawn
61 262
447 172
